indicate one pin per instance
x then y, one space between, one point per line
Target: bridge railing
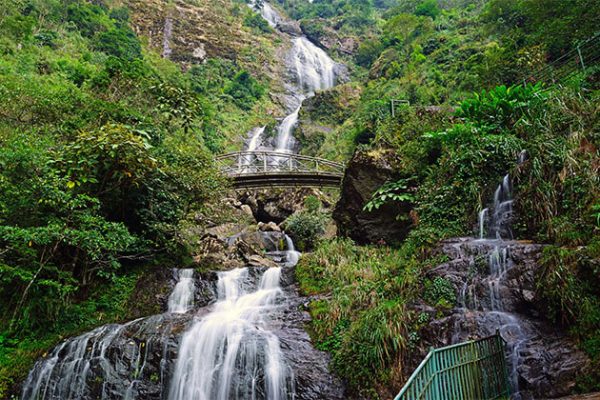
271 162
471 370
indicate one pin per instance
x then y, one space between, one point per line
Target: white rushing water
65 372
315 70
292 256
267 12
312 70
230 354
494 228
255 138
285 138
181 299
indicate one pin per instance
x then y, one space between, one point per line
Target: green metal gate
473 370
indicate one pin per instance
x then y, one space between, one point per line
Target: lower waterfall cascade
228 349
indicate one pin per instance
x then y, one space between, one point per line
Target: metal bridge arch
255 169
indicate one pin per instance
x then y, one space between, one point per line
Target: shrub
305 228
19 27
368 51
428 8
244 90
88 18
46 38
119 42
439 292
257 22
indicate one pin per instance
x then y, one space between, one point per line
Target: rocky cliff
367 172
495 287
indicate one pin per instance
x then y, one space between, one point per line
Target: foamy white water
229 353
315 70
312 68
181 299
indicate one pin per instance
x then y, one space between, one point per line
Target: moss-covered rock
323 113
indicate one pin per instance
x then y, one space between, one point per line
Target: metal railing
272 162
261 169
473 370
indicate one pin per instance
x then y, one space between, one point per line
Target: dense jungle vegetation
106 151
487 67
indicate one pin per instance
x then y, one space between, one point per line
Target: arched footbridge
257 169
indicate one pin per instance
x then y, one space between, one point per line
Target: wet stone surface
543 361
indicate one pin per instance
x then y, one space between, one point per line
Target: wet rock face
321 32
275 205
138 358
220 251
290 27
366 173
544 361
313 380
176 26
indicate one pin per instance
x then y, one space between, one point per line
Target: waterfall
501 214
267 12
291 255
167 33
248 161
285 139
230 354
181 299
494 228
482 215
255 137
312 68
498 219
64 373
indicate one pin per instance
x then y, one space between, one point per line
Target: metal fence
473 370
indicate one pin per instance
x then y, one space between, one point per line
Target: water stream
481 297
311 68
230 354
182 298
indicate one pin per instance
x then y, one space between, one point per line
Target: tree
428 8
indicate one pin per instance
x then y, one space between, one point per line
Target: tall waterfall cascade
312 70
229 354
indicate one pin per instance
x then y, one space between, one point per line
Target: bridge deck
276 169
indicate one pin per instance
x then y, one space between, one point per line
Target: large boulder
367 172
276 205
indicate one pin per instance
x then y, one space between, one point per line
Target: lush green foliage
244 90
365 322
308 225
255 21
105 153
390 191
